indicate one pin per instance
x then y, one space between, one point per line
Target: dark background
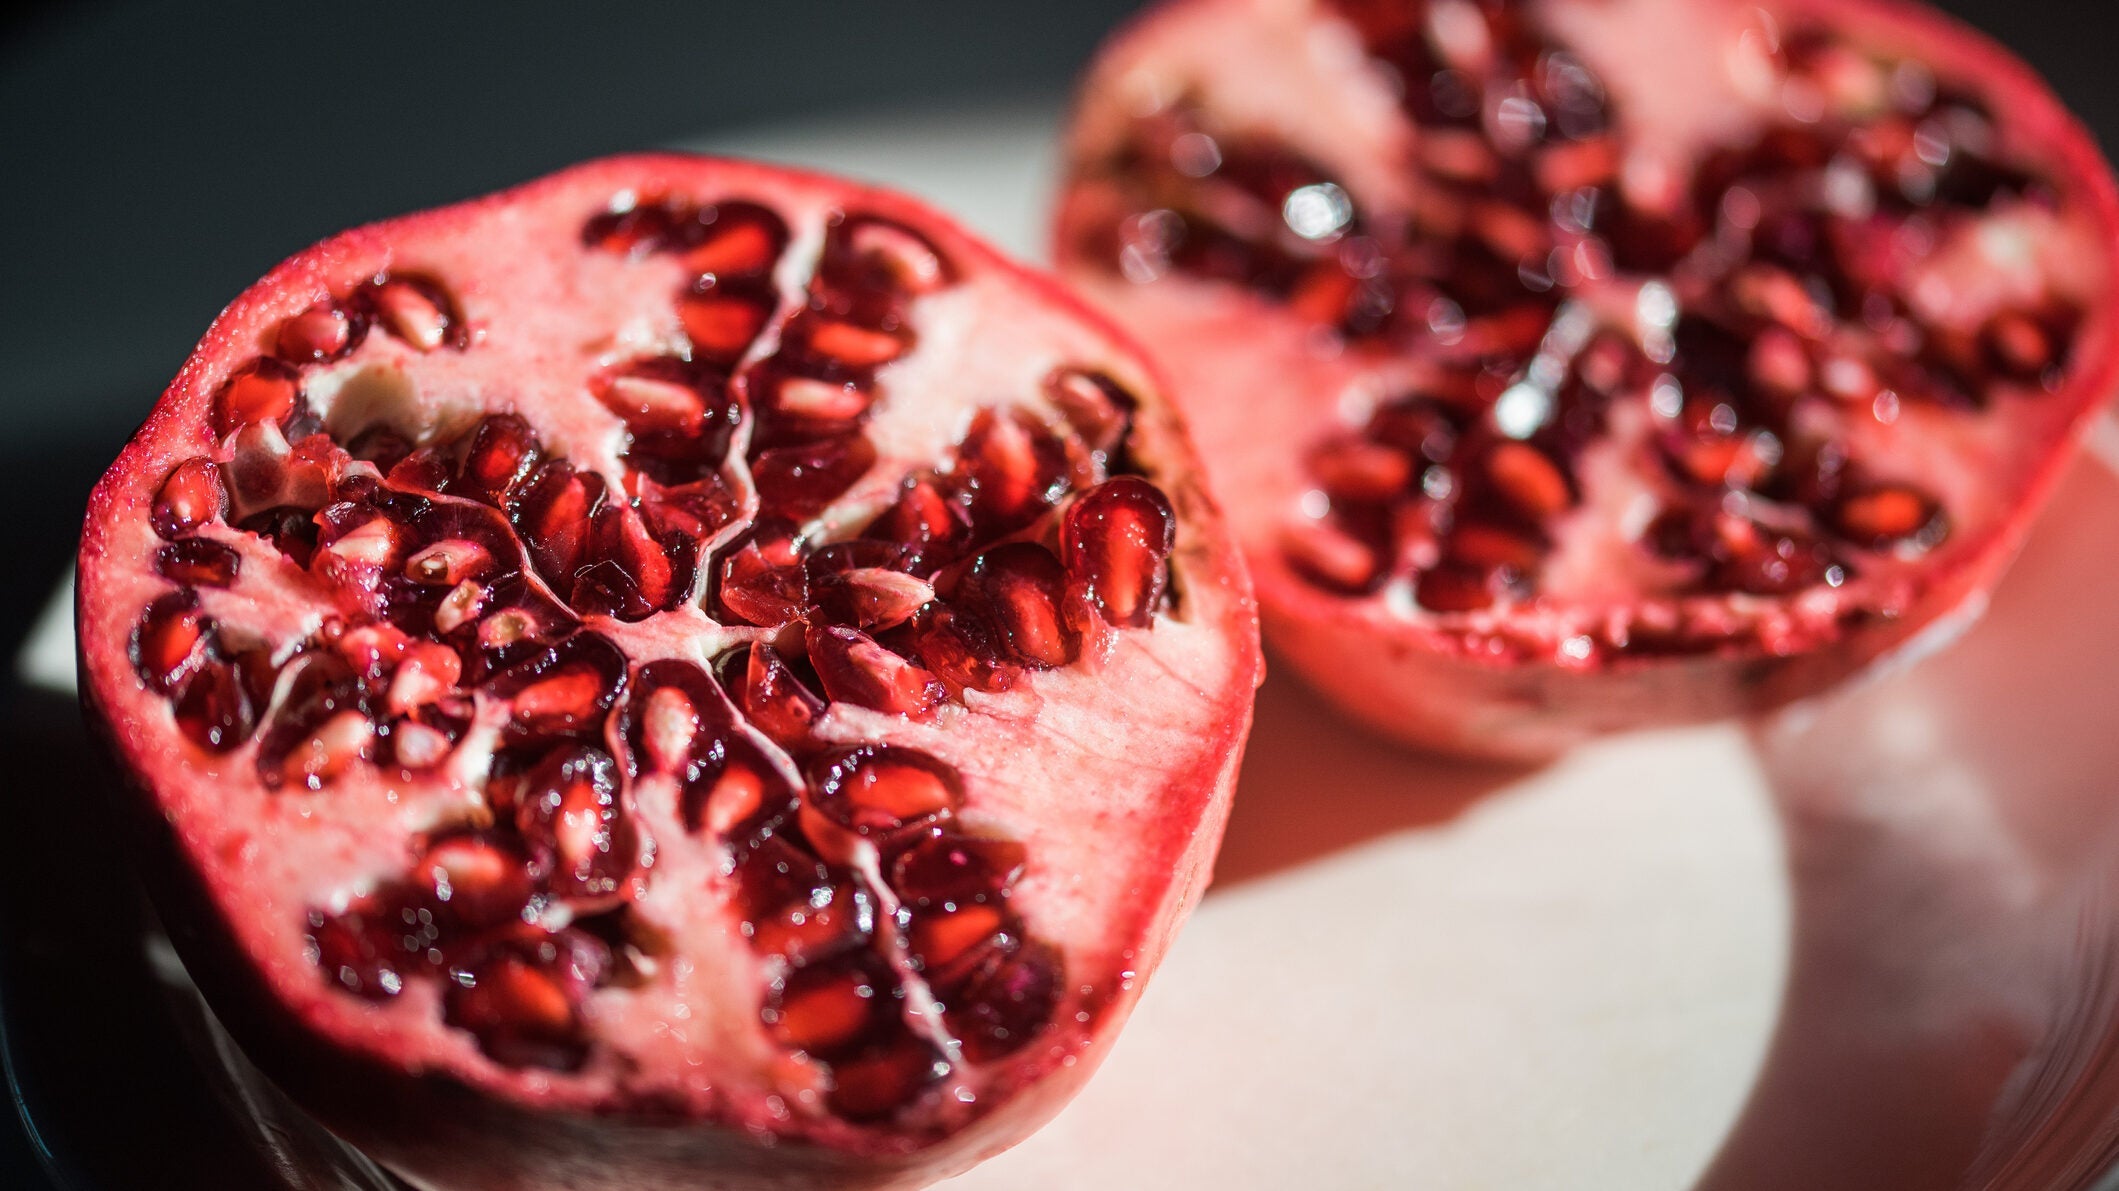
158 157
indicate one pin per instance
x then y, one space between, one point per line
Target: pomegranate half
682 674
1578 365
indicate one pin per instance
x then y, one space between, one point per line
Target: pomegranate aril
722 318
735 793
962 649
947 869
1095 406
798 482
1116 542
356 954
1354 471
830 921
419 311
523 1003
170 642
1002 1005
1452 586
1015 469
478 878
824 1009
553 516
934 525
736 239
1529 480
198 562
1019 588
846 345
1328 555
865 252
570 815
566 690
624 571
947 941
501 452
774 873
217 710
876 794
773 698
854 669
192 496
324 332
427 672
882 1081
869 597
1890 515
813 403
762 581
264 390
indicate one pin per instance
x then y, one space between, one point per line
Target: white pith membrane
1134 736
1265 386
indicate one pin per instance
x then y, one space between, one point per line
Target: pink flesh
1090 765
1294 74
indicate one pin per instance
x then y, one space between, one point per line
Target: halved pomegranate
682 674
1575 365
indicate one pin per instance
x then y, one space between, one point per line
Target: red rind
452 1118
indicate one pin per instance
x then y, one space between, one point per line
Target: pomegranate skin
410 1089
1535 678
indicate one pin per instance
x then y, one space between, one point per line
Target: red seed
942 938
653 404
810 399
553 517
503 450
1455 587
428 672
809 923
723 319
264 390
1095 406
876 793
170 643
762 580
1115 543
481 877
1015 470
854 669
323 332
799 482
825 1008
1529 480
738 239
850 345
419 312
775 701
1888 515
871 597
189 498
882 1080
198 562
869 252
1356 471
1325 554
948 869
1018 588
217 710
569 815
2018 345
962 649
999 1007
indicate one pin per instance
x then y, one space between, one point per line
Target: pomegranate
683 674
1579 365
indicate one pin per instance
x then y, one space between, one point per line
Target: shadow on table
1313 783
1953 840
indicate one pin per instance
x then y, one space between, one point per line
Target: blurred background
160 156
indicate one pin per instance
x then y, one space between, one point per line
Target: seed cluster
1767 299
474 583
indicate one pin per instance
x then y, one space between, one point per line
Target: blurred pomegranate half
1576 365
683 674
